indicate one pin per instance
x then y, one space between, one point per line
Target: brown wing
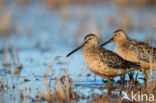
115 61
143 51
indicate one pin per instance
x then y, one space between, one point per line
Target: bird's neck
89 45
123 41
92 46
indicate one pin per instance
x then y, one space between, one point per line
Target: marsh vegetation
36 35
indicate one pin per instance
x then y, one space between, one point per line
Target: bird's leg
122 79
146 78
109 91
131 76
136 78
107 84
108 88
151 71
121 90
111 83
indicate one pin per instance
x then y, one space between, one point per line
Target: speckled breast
94 61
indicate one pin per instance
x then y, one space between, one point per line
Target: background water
38 33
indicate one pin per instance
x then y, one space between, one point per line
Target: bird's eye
89 38
115 34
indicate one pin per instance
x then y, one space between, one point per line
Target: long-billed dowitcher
133 50
103 62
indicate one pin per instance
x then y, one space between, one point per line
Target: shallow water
44 34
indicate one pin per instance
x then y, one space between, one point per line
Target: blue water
45 33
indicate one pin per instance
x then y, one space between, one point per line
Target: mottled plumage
143 51
103 62
135 51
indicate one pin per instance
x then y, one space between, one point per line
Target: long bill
107 42
75 50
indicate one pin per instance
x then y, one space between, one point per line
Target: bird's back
115 61
142 51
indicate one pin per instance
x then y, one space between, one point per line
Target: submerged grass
61 92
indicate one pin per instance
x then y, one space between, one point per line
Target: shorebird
103 62
133 50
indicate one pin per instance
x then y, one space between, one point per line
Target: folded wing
115 61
